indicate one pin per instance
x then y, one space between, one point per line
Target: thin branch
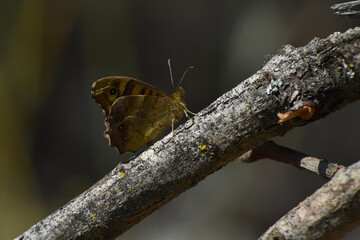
324 71
347 9
329 213
300 160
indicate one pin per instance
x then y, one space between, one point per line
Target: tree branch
347 9
300 160
329 213
324 71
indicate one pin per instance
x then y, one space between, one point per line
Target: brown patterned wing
136 120
106 90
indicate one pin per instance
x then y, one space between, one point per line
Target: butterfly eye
112 91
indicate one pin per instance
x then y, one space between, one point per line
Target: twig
324 71
300 160
347 9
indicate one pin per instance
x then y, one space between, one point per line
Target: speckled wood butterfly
136 112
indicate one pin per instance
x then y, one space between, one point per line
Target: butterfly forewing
106 90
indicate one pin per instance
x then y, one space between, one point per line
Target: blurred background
51 143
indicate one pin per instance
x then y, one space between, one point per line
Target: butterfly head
105 91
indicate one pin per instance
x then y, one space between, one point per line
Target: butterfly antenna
183 76
171 76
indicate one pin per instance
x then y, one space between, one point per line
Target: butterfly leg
186 111
172 129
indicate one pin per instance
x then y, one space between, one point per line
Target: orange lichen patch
305 112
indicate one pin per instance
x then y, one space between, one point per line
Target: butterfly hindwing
135 120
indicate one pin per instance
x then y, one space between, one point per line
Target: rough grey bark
329 213
347 9
324 72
